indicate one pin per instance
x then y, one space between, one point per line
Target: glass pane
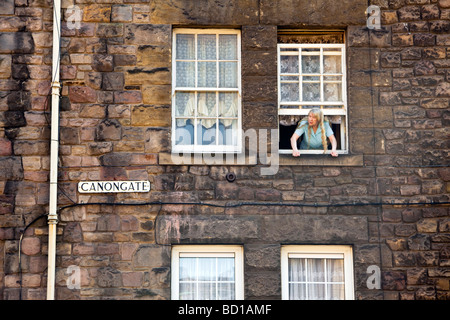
289 78
226 291
184 104
316 291
289 92
206 47
188 269
310 64
297 268
332 64
316 270
311 79
187 291
336 292
206 132
184 132
228 75
228 104
206 269
228 47
289 64
207 74
185 74
207 291
225 269
206 104
185 46
335 270
228 132
311 91
297 291
332 91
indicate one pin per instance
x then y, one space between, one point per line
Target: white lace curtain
207 278
214 54
316 279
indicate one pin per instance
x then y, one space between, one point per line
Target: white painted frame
341 111
208 251
318 251
195 148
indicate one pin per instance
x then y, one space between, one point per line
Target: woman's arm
333 146
294 139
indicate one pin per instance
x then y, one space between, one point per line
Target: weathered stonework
115 108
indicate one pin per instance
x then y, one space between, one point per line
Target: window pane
206 47
184 104
227 47
226 291
316 270
185 46
207 291
335 292
225 269
332 91
228 132
228 75
297 270
335 270
289 64
289 92
297 291
310 64
184 132
311 91
185 74
206 104
207 75
316 291
332 64
228 104
188 269
187 291
206 132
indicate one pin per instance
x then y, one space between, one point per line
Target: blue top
316 138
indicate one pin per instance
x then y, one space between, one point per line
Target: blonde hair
318 114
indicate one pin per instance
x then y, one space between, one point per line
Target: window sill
322 160
284 160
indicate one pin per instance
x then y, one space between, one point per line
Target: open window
311 73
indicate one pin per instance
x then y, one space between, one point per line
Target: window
207 273
206 91
311 73
317 273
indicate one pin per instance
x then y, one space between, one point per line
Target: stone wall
115 125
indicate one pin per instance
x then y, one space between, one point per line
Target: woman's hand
334 154
296 153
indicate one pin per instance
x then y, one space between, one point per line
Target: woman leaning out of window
315 132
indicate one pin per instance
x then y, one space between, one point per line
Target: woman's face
312 120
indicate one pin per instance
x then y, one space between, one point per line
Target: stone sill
284 160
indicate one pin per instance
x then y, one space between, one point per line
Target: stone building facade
386 196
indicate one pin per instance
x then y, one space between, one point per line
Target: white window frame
341 111
321 252
208 251
206 148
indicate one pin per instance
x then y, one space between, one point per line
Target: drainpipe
54 144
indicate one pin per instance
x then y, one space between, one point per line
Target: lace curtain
206 61
210 60
207 278
316 279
